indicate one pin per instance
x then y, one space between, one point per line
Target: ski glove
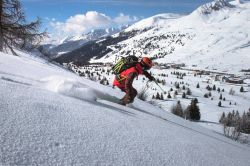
152 79
149 76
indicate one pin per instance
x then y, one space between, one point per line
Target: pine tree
222 118
208 88
219 104
241 89
189 92
214 87
198 85
169 96
231 92
177 109
157 96
194 111
206 95
184 95
177 85
102 81
220 97
243 121
162 98
163 82
195 100
229 119
14 29
233 114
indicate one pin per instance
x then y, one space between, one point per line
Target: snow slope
49 116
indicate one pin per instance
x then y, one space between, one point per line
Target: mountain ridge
216 28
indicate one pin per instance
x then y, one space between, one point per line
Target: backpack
124 63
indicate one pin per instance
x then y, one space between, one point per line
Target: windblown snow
50 116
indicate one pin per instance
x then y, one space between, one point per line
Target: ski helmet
146 63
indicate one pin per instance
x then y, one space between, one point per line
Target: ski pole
159 86
145 88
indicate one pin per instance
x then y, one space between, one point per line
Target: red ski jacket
125 79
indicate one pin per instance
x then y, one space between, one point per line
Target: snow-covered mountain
213 37
93 35
73 42
109 45
50 116
217 5
154 21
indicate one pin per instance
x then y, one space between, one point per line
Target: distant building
178 66
169 65
233 80
218 77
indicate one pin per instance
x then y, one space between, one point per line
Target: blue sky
85 15
62 9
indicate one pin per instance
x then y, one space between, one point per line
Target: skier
125 79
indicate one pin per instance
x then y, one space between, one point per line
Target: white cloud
82 23
124 19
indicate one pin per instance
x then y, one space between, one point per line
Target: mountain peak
215 5
157 20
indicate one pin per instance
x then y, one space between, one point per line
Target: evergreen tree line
233 119
192 112
179 74
158 96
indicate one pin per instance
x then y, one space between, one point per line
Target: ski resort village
170 88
